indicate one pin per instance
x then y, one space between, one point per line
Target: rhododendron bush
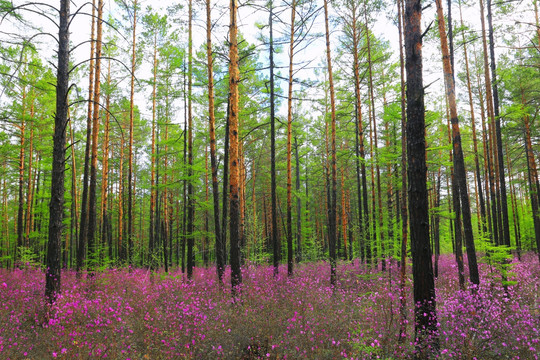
119 314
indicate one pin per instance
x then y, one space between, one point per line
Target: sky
249 16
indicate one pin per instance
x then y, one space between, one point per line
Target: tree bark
275 245
490 113
56 204
20 210
298 205
289 147
220 262
424 286
473 125
105 169
234 79
404 209
332 211
534 185
151 228
498 138
131 186
225 200
459 162
92 197
375 156
83 231
363 214
190 208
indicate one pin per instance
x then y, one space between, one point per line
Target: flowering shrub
136 315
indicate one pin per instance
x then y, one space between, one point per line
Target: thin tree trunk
184 182
220 261
74 196
343 214
92 201
289 147
298 205
473 125
436 221
206 217
363 215
491 119
190 208
515 214
105 170
332 211
120 243
404 209
502 180
456 205
276 249
152 230
31 183
534 185
226 190
131 186
487 162
20 210
375 155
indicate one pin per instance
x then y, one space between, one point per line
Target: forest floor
133 315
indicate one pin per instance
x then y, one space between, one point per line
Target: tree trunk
92 201
20 210
120 242
234 79
534 185
225 200
83 230
473 125
190 208
375 155
275 247
184 182
456 206
459 162
105 168
363 215
515 214
56 204
404 209
487 170
332 211
289 147
131 186
424 287
502 180
436 221
220 262
206 217
298 205
491 119
151 231
74 219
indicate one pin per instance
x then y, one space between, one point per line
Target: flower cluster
120 314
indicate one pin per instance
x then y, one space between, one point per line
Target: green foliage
28 259
498 258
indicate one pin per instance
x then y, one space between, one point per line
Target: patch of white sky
383 27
